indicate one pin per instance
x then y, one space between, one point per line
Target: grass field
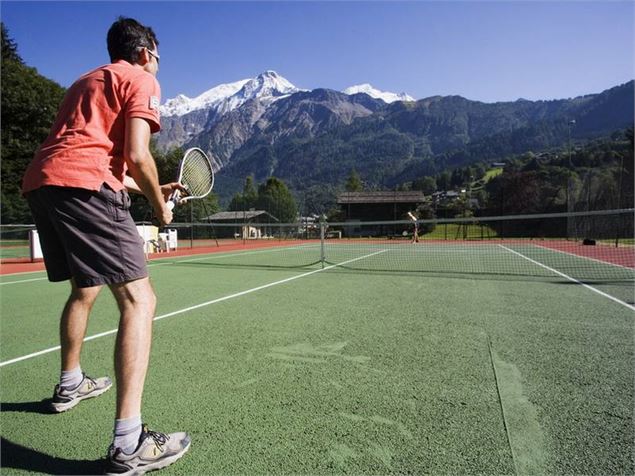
351 368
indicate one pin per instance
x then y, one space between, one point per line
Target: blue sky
482 50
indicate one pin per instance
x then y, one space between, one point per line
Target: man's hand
165 216
168 188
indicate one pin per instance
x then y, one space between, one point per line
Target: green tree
247 199
28 108
425 211
275 198
428 185
444 181
250 194
354 182
9 47
515 192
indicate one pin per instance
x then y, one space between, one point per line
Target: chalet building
378 206
243 225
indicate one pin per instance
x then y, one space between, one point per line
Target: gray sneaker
65 398
155 451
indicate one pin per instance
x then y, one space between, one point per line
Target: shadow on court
21 457
42 407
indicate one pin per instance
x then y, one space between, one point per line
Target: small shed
246 225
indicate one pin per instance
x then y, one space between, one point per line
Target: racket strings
197 176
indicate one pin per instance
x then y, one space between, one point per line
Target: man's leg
74 322
74 385
137 302
135 447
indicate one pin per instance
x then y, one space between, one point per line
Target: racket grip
173 200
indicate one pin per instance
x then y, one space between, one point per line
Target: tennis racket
195 175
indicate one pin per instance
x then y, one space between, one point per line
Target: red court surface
618 255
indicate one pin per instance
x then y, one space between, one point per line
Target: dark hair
125 36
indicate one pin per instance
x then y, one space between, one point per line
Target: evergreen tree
354 182
444 181
247 199
275 198
28 108
428 185
9 47
250 194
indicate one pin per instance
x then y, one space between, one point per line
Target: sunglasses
156 57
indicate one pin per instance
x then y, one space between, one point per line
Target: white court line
175 260
44 278
191 308
619 301
22 281
22 272
245 253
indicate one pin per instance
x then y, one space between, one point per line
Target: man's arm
131 185
143 169
166 188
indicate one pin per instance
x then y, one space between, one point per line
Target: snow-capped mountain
224 118
385 96
267 87
182 104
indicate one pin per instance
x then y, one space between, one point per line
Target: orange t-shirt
85 146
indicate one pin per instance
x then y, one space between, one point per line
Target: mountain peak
377 94
268 85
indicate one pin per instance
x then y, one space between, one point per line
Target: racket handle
173 200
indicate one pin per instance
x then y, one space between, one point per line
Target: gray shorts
87 235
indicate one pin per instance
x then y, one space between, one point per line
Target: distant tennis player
415 233
76 186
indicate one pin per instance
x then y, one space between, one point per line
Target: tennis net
592 246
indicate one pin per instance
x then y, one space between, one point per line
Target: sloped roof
380 197
238 216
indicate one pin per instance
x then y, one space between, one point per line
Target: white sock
127 433
71 378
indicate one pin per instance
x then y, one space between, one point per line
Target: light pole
569 124
569 198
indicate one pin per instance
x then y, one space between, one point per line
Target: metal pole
322 253
619 201
191 224
572 121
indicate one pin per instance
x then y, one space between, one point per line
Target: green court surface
437 361
14 249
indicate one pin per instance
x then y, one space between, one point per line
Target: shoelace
160 439
86 377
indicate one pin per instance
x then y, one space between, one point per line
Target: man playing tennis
76 186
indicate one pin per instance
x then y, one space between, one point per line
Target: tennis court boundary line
566 276
24 280
197 306
167 260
